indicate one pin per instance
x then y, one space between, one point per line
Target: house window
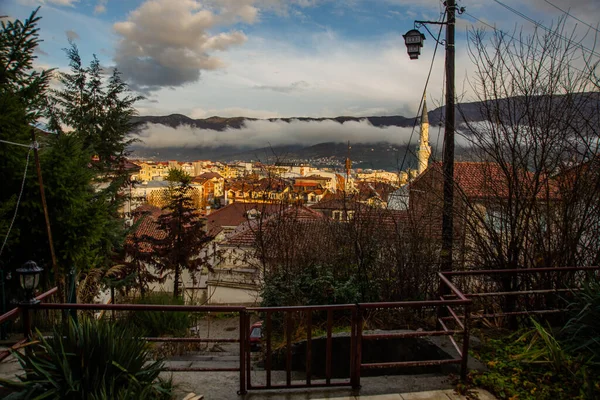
495 220
337 215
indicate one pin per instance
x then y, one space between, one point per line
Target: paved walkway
427 395
223 386
448 394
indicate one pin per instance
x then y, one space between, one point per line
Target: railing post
465 344
440 310
353 323
26 320
358 350
269 354
243 334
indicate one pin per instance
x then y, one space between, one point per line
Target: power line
542 26
519 40
572 16
17 144
12 222
442 109
437 42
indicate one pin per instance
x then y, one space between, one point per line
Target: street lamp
413 40
29 277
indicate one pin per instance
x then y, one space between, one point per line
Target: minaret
424 150
348 168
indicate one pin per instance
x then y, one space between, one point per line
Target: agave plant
89 359
581 334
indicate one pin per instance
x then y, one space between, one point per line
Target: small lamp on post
413 40
29 277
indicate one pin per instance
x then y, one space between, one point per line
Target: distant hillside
364 155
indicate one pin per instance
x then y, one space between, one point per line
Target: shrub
581 334
158 323
89 359
534 365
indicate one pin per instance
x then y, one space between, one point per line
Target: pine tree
82 194
181 247
22 99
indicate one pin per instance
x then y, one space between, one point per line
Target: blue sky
269 58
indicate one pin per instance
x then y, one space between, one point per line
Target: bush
159 323
534 365
89 359
581 334
311 285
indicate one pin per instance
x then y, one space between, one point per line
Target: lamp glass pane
36 281
28 281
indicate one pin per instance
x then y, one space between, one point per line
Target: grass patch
161 323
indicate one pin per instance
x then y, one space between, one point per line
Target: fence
513 293
281 326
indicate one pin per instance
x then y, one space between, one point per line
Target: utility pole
448 160
46 215
414 41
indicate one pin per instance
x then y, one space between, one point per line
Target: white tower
424 150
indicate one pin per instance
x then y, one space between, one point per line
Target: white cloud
331 76
198 113
258 134
66 3
100 7
72 35
166 44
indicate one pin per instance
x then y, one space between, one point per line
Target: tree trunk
176 281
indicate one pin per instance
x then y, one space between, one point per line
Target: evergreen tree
22 98
184 237
82 158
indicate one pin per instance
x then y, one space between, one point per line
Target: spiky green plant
92 360
160 323
581 334
543 348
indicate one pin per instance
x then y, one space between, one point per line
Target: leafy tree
94 111
82 159
22 95
137 253
184 238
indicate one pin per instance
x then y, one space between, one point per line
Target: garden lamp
29 277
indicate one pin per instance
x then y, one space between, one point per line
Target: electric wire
550 31
572 16
18 201
536 51
437 42
442 116
16 144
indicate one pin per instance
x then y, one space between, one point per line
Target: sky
275 58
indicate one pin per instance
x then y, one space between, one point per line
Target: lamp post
414 41
29 278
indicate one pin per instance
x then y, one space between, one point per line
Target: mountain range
369 153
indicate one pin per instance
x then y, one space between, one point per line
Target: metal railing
511 293
357 339
454 311
16 312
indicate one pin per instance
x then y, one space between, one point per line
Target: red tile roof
245 234
235 214
209 175
481 179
